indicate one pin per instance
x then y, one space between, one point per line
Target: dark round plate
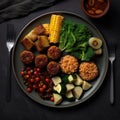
101 61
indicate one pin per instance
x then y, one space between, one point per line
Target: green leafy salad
74 40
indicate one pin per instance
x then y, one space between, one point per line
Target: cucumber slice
86 85
56 80
57 98
77 92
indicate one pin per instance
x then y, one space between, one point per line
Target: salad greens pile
74 40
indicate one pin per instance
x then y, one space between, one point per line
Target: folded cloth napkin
15 8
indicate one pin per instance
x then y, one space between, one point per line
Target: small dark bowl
95 8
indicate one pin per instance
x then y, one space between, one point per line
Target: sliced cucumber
69 95
78 80
57 98
86 85
69 87
56 80
77 92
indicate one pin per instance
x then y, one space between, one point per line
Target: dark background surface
97 107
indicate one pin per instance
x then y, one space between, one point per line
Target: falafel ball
54 52
53 68
26 57
88 71
41 60
69 64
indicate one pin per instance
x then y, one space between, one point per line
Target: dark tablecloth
97 107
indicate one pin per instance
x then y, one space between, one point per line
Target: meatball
54 52
53 68
41 60
69 64
88 70
26 57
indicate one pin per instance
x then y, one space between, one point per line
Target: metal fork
112 59
9 44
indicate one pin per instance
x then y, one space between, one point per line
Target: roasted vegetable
60 88
47 29
78 80
98 51
57 98
77 92
95 42
56 80
69 87
69 95
86 85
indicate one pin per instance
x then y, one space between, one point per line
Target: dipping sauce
95 7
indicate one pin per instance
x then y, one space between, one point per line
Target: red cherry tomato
44 86
22 73
37 79
34 86
28 68
29 89
32 80
35 73
38 69
47 80
26 76
52 98
41 89
39 85
29 72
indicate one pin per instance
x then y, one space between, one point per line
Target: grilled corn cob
55 26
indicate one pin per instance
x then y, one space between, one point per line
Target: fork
9 44
112 59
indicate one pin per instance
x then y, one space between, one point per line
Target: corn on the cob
55 26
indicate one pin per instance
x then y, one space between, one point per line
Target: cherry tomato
41 89
38 69
29 72
22 73
26 76
29 89
32 80
35 73
44 86
37 79
52 98
34 86
47 80
39 85
28 68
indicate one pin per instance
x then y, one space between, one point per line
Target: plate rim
86 21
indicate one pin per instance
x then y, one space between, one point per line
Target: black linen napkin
15 8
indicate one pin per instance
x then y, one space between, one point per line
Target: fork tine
11 32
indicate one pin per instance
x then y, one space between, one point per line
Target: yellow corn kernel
55 26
